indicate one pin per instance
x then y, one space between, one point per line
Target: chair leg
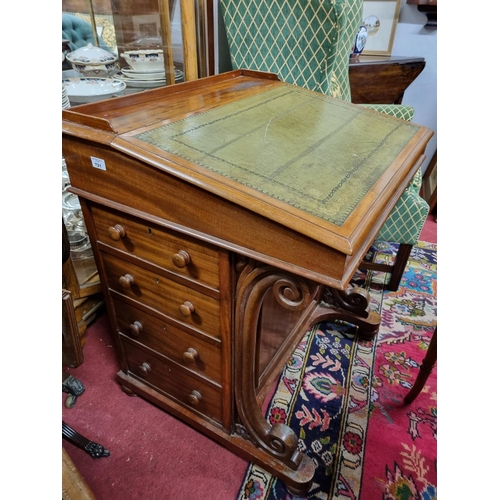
95 450
425 370
399 267
396 270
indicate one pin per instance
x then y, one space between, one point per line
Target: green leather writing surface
313 152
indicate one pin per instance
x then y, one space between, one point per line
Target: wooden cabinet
81 299
382 79
165 292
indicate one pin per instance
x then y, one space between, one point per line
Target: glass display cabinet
182 29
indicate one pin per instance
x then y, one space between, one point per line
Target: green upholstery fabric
397 110
308 43
408 216
295 40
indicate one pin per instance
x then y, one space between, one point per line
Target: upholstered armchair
308 43
78 33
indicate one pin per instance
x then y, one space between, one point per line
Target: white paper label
98 163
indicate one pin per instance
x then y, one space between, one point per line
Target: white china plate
82 90
137 76
129 70
135 82
145 84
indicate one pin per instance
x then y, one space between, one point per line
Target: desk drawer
177 253
190 391
188 350
177 301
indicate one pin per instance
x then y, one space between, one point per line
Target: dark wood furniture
227 215
429 8
81 299
425 370
382 79
74 486
429 186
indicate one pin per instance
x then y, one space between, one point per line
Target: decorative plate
82 90
128 70
142 76
145 84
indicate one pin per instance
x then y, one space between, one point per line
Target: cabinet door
72 351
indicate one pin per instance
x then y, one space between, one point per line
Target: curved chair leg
95 450
425 370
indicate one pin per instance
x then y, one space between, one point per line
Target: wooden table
227 215
382 79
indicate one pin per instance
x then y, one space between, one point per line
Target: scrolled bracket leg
351 305
278 441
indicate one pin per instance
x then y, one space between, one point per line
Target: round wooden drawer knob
135 328
195 398
144 369
190 356
181 259
126 281
186 309
116 232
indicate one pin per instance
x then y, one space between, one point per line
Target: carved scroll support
352 306
279 440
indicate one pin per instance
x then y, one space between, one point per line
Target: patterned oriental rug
344 397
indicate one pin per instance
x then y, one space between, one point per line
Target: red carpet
155 456
429 231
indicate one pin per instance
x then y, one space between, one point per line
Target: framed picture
146 25
381 19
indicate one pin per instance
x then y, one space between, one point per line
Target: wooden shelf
382 79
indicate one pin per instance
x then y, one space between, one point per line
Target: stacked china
146 69
94 75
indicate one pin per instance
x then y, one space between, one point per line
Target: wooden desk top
325 168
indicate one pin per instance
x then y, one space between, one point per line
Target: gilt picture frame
381 19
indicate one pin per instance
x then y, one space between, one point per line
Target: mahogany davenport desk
227 215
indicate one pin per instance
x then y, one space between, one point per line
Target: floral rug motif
344 397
